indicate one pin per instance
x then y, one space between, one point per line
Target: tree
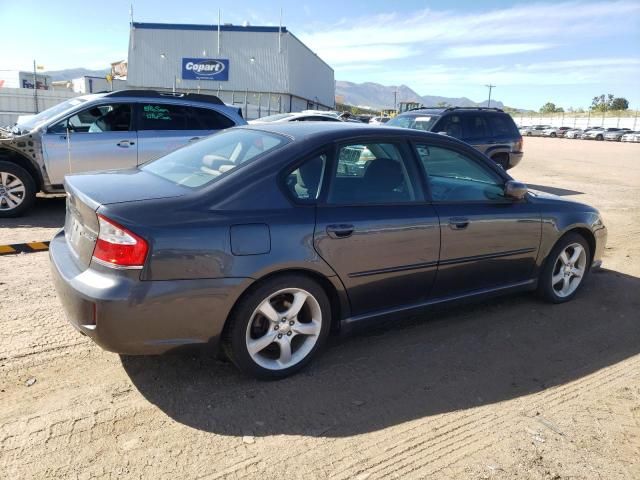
620 103
550 107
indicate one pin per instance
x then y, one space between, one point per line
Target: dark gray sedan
266 238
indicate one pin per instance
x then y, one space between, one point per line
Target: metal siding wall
147 69
309 76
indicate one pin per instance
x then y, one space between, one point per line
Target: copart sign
205 69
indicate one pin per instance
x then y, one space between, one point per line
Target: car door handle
193 139
125 143
340 231
458 223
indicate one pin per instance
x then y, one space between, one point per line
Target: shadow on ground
47 212
445 361
561 192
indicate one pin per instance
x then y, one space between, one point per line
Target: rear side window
207 119
372 173
451 125
159 116
476 127
305 181
203 162
502 125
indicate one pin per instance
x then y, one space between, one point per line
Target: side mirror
517 190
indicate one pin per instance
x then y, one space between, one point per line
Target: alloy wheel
569 269
12 191
283 329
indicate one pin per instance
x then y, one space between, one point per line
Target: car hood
549 198
121 186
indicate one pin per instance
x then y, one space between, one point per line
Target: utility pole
490 87
395 100
35 86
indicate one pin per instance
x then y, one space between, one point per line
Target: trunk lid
87 192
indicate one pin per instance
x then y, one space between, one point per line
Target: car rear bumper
125 315
515 158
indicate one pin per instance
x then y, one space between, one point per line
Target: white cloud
571 72
445 30
492 50
341 56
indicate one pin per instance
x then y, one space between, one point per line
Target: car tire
502 159
272 345
599 138
17 190
553 135
560 280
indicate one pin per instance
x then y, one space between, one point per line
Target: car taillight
118 247
519 144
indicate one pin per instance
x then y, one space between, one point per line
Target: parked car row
613 134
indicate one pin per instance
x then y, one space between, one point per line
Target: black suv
489 130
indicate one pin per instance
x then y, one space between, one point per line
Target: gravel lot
512 388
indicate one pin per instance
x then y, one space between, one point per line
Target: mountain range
367 94
375 95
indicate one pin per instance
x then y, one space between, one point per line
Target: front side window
304 182
417 122
450 125
371 173
97 119
203 162
454 177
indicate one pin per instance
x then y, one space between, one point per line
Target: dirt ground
512 388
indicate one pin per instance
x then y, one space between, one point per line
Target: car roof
329 131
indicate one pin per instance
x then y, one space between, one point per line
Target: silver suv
100 132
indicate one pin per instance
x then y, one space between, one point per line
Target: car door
164 127
374 227
99 137
487 240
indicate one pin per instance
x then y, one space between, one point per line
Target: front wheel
17 190
599 138
277 328
565 269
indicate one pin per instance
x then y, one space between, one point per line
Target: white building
267 69
18 79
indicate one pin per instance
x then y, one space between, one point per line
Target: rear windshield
203 162
417 122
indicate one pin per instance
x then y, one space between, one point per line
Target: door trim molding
488 256
401 268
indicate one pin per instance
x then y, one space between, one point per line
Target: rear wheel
553 135
565 269
17 190
599 138
278 327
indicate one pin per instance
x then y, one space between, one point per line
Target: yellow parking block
38 245
7 249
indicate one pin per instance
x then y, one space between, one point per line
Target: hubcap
569 270
284 329
12 191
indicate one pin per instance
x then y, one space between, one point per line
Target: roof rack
446 109
156 94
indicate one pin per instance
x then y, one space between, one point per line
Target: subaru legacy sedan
265 239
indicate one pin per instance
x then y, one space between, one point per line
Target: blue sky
564 52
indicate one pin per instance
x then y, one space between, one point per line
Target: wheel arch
585 233
335 293
9 155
